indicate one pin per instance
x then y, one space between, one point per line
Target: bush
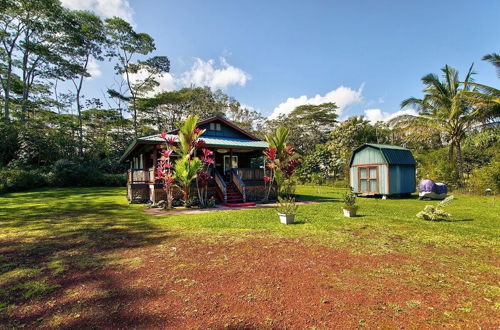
67 173
18 179
487 177
113 180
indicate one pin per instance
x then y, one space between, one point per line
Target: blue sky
275 55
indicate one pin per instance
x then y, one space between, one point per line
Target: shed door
368 179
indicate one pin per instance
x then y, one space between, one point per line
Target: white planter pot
286 219
349 212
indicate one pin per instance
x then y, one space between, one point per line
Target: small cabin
381 169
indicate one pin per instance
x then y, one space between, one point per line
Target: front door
230 162
368 179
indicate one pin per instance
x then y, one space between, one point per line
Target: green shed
382 169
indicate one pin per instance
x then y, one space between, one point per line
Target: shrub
68 173
18 179
113 180
349 199
487 177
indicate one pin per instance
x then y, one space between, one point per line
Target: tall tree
308 124
87 41
445 106
126 44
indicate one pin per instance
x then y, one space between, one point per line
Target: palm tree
495 60
447 108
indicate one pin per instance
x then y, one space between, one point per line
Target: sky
366 56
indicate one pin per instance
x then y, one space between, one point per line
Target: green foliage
287 205
487 177
18 180
436 212
319 166
349 199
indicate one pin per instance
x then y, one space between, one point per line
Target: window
368 179
214 127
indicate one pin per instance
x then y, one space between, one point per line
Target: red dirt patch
216 282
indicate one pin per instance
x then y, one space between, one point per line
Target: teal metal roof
394 155
210 141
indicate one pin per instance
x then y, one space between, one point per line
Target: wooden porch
237 185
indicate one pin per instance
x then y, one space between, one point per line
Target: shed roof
394 155
210 141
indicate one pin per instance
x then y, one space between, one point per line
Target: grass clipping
437 212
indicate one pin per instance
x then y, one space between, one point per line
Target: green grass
44 233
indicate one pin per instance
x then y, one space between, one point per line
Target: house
381 169
238 172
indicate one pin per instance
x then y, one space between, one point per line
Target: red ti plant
164 168
281 160
204 177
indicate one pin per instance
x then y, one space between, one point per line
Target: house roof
210 141
224 121
394 155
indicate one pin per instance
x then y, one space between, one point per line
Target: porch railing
221 184
238 182
139 175
250 174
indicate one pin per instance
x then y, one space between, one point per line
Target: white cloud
104 8
205 73
93 69
374 115
202 73
342 96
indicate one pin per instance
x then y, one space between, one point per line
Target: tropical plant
287 205
281 160
164 168
188 165
436 213
204 177
445 107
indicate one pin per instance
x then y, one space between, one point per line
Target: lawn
83 258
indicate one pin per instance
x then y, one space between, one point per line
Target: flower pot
286 219
350 211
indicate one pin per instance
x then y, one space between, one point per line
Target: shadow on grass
56 240
316 198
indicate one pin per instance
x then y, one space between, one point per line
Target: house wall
383 183
368 155
225 131
374 157
402 179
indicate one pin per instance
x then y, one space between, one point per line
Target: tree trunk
459 163
79 107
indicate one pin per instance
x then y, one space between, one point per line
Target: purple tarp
431 186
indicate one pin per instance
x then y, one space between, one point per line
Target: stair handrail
221 184
238 182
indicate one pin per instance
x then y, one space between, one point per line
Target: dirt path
224 282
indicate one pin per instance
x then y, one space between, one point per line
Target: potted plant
349 206
287 208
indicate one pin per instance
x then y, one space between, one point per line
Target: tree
126 44
494 59
445 106
32 34
87 41
308 124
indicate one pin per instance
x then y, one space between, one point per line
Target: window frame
368 178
